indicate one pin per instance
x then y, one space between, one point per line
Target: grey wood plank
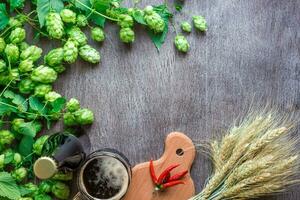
139 95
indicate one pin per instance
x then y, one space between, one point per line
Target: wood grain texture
252 48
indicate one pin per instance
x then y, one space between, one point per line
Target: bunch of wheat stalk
256 158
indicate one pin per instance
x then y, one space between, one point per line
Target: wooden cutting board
179 149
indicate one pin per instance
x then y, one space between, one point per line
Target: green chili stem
98 13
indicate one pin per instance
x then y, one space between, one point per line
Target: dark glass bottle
61 151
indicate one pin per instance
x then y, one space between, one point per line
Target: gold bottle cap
44 167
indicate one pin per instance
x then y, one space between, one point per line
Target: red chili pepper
152 172
178 176
172 183
165 173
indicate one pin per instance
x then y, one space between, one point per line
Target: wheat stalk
256 158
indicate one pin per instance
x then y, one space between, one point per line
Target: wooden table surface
252 49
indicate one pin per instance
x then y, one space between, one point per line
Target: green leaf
4 18
28 129
5 106
159 39
58 104
45 6
36 105
8 186
16 4
139 18
9 156
9 94
83 5
98 20
24 191
25 146
101 5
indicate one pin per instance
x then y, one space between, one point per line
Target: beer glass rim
100 153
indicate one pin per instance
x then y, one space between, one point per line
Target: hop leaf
89 54
8 187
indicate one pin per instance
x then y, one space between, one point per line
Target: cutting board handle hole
179 152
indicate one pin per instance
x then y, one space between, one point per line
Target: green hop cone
73 105
45 187
6 137
81 20
42 89
2 163
127 35
33 189
42 197
97 34
84 116
23 46
89 54
55 57
61 190
55 26
17 159
52 96
25 66
63 176
16 124
77 35
69 119
59 68
25 198
39 143
14 22
185 26
17 35
19 174
44 74
2 44
181 43
26 86
68 16
12 53
154 21
70 51
2 65
32 53
200 23
125 21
